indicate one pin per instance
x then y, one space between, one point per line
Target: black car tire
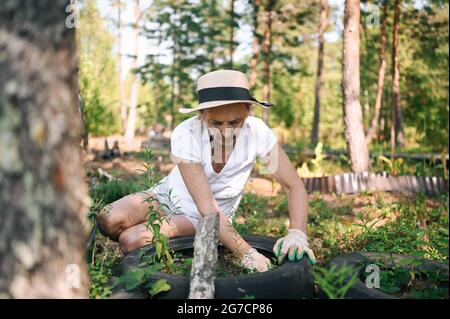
290 280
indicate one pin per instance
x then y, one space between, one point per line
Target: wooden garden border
348 183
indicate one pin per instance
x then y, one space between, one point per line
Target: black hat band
226 93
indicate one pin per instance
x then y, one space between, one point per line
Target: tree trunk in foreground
354 130
43 194
204 263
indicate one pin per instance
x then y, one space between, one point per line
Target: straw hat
223 87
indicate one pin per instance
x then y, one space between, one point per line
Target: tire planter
361 260
290 280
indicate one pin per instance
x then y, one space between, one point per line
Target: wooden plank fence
349 183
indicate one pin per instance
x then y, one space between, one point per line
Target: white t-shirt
191 141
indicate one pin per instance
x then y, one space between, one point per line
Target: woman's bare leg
138 235
124 213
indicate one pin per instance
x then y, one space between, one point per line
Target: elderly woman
215 152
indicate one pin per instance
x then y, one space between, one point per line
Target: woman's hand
254 261
295 246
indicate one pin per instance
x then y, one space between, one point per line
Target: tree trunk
322 27
132 114
157 100
43 194
172 88
373 130
267 51
396 101
84 133
231 32
204 263
172 101
255 45
354 130
392 134
122 105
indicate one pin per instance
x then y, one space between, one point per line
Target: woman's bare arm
293 186
196 182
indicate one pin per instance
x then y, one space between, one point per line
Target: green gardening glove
294 246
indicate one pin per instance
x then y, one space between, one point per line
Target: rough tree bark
267 53
318 85
203 271
132 112
354 129
43 194
373 130
396 100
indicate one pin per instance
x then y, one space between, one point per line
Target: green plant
133 279
335 283
104 265
368 224
319 211
96 205
155 218
408 280
254 209
392 166
405 234
314 167
252 204
162 257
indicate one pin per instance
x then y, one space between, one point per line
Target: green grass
111 191
105 264
105 257
412 283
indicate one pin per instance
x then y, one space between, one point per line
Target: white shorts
173 205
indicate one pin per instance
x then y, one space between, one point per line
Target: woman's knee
139 235
111 222
134 237
124 213
180 225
